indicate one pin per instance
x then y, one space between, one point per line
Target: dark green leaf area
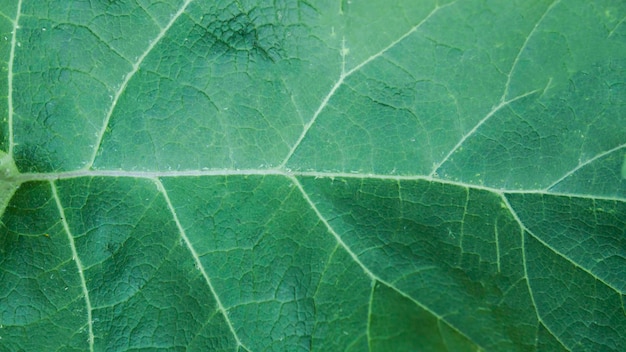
568 297
590 233
140 276
414 328
40 290
575 246
263 227
437 244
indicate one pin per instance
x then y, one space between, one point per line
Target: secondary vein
375 278
522 48
505 92
16 26
127 79
476 127
525 264
554 250
79 264
197 261
583 164
345 75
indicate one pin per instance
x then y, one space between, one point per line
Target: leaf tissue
312 175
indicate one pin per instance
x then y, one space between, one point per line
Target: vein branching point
9 182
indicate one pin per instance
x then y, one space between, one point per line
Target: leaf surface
298 175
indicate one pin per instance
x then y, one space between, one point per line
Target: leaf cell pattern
297 175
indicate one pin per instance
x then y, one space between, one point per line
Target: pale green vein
616 27
25 177
5 16
397 41
583 164
496 235
16 26
525 263
369 316
198 263
324 272
564 194
365 269
503 101
443 339
462 235
343 75
523 48
79 264
477 126
127 79
371 176
308 125
332 231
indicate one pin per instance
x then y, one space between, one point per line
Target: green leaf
255 175
8 181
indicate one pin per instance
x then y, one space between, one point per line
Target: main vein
79 264
127 79
26 177
16 26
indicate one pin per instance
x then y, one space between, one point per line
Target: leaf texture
298 175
